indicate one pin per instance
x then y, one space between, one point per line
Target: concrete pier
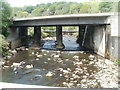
80 34
37 35
59 38
23 35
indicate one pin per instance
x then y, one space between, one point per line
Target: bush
117 62
4 46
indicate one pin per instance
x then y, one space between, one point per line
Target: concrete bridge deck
75 19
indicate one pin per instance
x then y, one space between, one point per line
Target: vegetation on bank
117 62
6 21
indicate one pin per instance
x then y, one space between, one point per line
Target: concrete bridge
98 32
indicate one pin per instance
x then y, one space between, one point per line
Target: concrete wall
95 39
13 34
105 39
115 37
99 40
15 39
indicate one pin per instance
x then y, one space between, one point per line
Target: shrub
117 62
4 46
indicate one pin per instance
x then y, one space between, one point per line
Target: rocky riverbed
59 68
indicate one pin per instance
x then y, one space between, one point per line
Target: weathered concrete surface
115 37
99 40
64 20
13 34
105 39
17 36
59 39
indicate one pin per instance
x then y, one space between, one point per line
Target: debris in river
42 50
91 62
61 75
2 63
26 49
33 53
22 48
76 57
39 56
6 67
91 57
49 74
16 64
66 59
48 51
22 63
18 49
69 69
49 59
66 71
45 54
77 63
37 59
58 52
13 51
8 57
56 56
65 84
29 66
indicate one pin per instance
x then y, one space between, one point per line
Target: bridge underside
92 37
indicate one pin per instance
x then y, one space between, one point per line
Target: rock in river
29 66
16 64
49 74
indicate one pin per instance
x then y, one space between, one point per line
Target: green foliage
116 7
48 34
31 31
6 17
117 62
105 6
22 14
70 28
61 8
4 46
90 7
44 34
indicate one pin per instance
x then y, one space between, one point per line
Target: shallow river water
73 69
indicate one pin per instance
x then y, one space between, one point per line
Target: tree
105 6
22 14
6 18
90 7
74 8
6 13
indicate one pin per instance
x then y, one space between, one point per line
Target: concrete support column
59 43
37 35
80 34
23 32
23 35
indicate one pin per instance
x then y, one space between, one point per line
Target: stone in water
29 66
49 74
